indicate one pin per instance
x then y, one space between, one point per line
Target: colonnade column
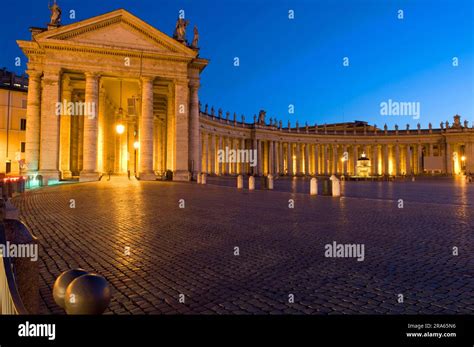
33 121
316 159
397 159
345 158
408 160
354 159
90 142
420 159
181 133
194 132
289 154
306 159
385 160
375 160
49 137
65 132
146 131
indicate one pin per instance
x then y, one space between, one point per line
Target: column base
147 176
182 176
48 177
85 176
66 175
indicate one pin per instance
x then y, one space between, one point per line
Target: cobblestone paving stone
190 251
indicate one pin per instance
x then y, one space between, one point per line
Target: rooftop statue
180 29
194 44
55 14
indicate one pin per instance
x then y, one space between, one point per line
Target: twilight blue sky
299 61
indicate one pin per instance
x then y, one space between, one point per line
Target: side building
13 104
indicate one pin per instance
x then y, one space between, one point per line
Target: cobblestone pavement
190 250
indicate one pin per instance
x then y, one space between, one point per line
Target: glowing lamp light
120 128
463 158
136 145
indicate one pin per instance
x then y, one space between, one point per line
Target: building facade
112 94
13 94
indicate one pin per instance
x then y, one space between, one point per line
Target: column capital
92 75
34 74
147 79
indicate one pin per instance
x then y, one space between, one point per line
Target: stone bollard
313 186
203 178
251 183
270 181
336 186
413 178
198 178
240 182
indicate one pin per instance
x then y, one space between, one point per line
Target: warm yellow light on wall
120 128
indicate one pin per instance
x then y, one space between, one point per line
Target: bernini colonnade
141 114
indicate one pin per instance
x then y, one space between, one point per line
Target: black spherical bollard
61 283
88 294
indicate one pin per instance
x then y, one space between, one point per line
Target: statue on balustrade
180 29
55 14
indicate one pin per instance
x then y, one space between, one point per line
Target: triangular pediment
116 30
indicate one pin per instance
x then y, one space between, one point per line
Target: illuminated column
254 169
449 159
334 159
385 160
289 154
243 164
33 121
375 160
146 131
344 160
324 159
408 160
65 131
281 169
181 131
306 159
89 165
420 159
397 160
49 137
270 157
219 157
354 159
316 159
298 158
212 154
194 132
205 153
260 157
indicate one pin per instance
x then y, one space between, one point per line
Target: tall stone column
182 133
145 131
408 160
289 154
33 121
354 159
89 162
298 158
194 126
219 161
306 159
260 157
397 160
334 160
205 153
316 159
344 163
270 157
212 154
228 147
254 169
375 160
420 159
243 164
49 137
385 160
65 131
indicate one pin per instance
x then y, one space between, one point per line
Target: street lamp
136 145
